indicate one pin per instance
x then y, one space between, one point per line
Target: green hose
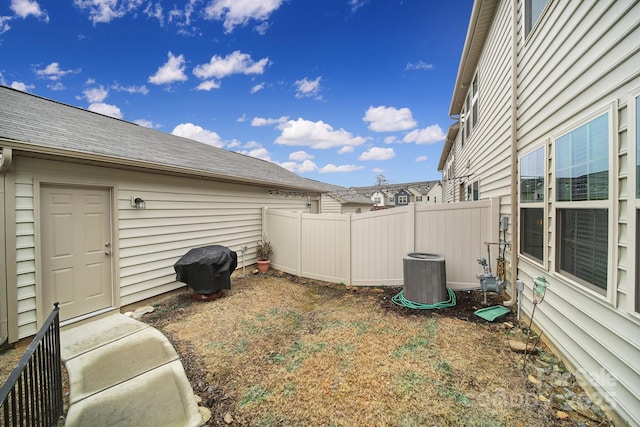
400 300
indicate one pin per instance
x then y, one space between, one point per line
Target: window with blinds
582 192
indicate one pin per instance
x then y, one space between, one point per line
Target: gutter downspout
514 154
5 163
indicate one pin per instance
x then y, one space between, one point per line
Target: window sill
605 297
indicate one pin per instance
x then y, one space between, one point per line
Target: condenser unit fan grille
425 278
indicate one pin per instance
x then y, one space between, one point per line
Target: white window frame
527 12
633 291
469 195
470 111
403 199
610 294
474 101
418 198
536 205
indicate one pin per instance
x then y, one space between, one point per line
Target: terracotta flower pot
263 265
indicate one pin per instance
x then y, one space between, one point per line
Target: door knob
107 252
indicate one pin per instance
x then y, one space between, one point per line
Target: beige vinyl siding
330 205
181 213
25 258
581 58
487 150
353 208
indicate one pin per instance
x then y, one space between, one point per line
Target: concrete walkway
123 372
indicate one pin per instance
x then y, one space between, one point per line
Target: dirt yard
283 351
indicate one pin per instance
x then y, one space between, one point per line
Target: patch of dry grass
276 352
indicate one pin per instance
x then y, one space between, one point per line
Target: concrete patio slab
118 361
122 372
86 337
160 397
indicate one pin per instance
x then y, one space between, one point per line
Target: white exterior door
76 249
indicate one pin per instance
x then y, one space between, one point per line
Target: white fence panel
283 230
367 249
378 243
325 247
458 231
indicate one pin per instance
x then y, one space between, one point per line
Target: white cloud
197 133
377 170
306 88
378 153
262 28
242 118
428 135
130 89
305 166
240 12
233 144
21 86
422 159
107 10
171 71
208 85
25 8
390 139
420 65
315 135
235 63
53 72
182 18
257 88
331 168
259 153
346 149
4 24
106 109
389 119
357 4
155 11
57 86
96 94
144 123
265 121
300 156
252 144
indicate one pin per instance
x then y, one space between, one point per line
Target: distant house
390 195
433 194
94 211
344 201
547 99
401 197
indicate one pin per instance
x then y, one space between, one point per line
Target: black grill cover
208 269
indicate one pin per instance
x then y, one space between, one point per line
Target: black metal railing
32 395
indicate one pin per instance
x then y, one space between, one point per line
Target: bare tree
381 180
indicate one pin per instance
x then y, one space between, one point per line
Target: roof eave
479 25
452 133
138 164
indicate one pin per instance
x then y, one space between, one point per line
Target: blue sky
338 91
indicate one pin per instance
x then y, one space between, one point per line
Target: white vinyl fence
367 249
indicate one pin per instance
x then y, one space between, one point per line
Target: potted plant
264 250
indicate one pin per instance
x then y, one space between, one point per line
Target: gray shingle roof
349 196
37 124
422 187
